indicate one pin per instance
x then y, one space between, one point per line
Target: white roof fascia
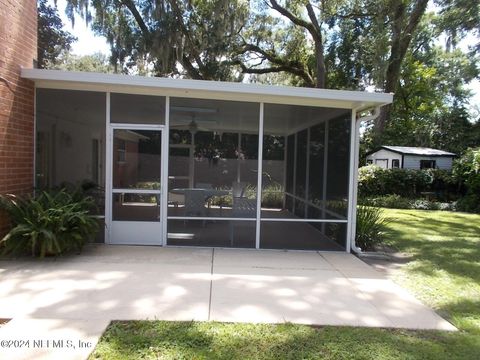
71 80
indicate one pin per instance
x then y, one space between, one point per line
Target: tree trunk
321 70
379 126
392 78
401 38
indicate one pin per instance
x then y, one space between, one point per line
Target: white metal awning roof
71 80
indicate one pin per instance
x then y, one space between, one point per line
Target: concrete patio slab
142 254
270 259
79 295
75 290
343 261
298 296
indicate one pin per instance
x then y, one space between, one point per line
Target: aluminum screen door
136 173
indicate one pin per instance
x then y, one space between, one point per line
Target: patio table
208 193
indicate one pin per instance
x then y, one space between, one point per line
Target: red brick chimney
18 48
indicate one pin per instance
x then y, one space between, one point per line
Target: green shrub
445 185
48 224
370 181
223 200
387 201
469 203
376 181
370 226
272 196
398 202
423 204
467 168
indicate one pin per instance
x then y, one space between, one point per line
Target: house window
428 164
369 162
383 163
395 164
121 150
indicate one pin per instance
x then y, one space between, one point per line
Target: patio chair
206 186
201 185
242 207
175 199
195 203
239 189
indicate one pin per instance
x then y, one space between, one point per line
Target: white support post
259 178
108 171
285 152
307 177
355 180
164 173
53 164
325 175
294 190
239 146
191 162
351 184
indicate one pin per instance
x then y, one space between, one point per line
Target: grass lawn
444 273
445 268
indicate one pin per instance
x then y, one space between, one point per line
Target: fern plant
50 223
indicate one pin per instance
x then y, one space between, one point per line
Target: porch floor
75 297
241 234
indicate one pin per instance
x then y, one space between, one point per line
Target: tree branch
313 19
269 56
416 16
354 15
314 28
193 46
294 19
138 18
292 67
276 69
192 71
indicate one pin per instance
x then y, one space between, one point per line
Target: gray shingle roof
418 150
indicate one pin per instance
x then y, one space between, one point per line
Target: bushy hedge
376 181
467 168
376 186
398 202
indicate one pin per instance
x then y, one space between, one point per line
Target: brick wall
18 47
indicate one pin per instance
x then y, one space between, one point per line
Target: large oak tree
340 44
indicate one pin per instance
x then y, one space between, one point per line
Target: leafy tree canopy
171 38
430 108
53 41
96 62
399 46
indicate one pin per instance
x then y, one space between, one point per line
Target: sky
88 43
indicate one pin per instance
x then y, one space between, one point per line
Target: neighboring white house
406 157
